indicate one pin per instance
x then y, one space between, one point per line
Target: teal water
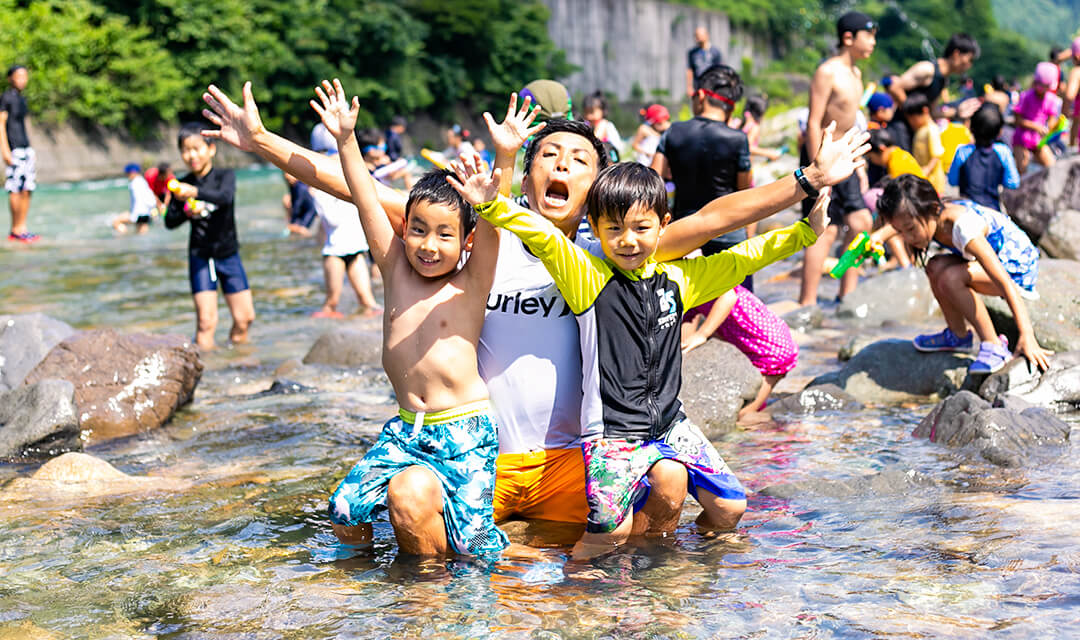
234 542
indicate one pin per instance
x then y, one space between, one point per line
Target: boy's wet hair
622 186
756 106
562 125
963 43
986 124
915 104
723 81
433 188
910 195
881 139
191 129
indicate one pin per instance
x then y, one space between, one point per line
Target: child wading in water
444 438
1038 106
204 198
989 254
631 414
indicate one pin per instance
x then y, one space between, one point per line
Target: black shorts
846 198
351 257
142 220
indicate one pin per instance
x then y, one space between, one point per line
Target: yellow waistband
447 415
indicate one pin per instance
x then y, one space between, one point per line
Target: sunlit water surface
238 545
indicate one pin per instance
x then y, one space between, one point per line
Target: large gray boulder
1055 315
717 381
1057 388
124 383
892 372
38 420
1046 206
902 295
1007 436
24 342
346 347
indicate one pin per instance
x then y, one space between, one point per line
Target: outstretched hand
473 183
236 126
817 217
838 159
336 112
514 129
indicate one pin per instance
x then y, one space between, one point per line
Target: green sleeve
578 274
708 277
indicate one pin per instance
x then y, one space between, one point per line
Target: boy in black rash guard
204 198
628 308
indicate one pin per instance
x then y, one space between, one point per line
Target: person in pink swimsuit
1037 107
742 319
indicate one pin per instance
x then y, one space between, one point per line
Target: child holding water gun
1038 106
989 254
204 198
742 319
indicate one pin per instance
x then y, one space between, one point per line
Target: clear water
235 543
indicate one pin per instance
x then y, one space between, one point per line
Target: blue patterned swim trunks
459 446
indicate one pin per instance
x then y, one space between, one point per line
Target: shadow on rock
1057 389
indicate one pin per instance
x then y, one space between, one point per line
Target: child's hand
1028 347
692 342
186 191
336 112
476 186
514 130
817 217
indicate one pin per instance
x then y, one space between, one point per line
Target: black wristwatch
800 177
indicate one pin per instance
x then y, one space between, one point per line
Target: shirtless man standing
835 92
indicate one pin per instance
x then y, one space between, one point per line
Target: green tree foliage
90 65
1048 22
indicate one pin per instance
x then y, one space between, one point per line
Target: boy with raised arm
444 438
628 308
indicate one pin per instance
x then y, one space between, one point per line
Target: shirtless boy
445 430
835 92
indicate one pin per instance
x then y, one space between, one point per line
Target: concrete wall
618 43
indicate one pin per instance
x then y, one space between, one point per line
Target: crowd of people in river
534 343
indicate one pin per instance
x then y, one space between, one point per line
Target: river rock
346 347
816 399
1057 389
79 475
1055 315
124 383
38 420
24 341
804 319
892 481
717 381
855 344
901 295
1003 436
1046 206
892 371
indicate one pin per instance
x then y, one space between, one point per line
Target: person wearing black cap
21 170
835 92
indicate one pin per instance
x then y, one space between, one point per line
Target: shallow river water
234 542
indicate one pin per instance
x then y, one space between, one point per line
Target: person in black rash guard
706 158
204 198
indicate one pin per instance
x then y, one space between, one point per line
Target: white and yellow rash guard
629 322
